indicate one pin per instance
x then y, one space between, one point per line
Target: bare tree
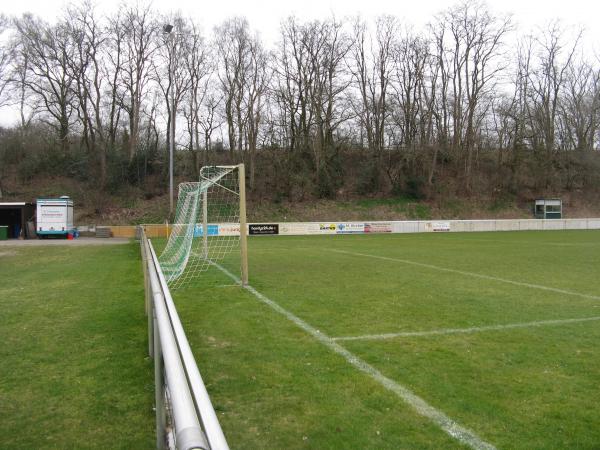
112 66
50 79
472 38
371 66
233 42
86 66
546 84
326 46
511 116
199 69
292 78
410 62
431 100
258 79
438 100
208 117
580 105
139 29
5 57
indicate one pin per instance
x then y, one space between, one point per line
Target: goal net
206 230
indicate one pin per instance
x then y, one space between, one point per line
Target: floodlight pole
168 29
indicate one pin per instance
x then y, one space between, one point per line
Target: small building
16 216
548 208
54 216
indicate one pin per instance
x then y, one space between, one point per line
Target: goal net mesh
206 227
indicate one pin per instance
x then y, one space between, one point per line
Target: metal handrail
195 423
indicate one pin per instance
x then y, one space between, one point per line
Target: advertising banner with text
350 227
263 228
378 227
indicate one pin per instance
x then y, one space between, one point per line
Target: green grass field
498 332
529 381
74 371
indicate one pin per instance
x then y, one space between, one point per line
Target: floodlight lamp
168 28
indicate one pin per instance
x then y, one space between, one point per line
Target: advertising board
229 229
296 228
350 227
263 228
440 226
322 228
213 230
378 227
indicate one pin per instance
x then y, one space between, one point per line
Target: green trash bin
3 232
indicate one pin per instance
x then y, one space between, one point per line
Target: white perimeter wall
421 226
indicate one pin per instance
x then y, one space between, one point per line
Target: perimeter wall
333 228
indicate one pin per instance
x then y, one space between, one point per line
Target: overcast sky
265 16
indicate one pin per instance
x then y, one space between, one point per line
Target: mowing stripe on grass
521 242
458 432
469 274
509 326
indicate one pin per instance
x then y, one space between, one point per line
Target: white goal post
209 227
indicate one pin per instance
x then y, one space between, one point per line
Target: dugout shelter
15 216
548 208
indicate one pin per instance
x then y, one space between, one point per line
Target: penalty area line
468 274
452 428
442 331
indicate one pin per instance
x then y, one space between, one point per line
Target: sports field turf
405 341
357 341
74 371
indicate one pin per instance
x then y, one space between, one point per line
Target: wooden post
243 226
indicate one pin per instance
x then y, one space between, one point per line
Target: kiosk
55 217
548 208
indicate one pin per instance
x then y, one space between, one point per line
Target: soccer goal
209 228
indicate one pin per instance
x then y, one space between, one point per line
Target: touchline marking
509 326
470 274
458 432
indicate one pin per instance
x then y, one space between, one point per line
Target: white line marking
465 330
470 274
458 432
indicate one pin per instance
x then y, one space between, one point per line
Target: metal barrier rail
177 380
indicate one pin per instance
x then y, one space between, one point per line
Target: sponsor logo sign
327 227
440 226
292 228
229 229
263 228
378 227
347 228
320 228
213 230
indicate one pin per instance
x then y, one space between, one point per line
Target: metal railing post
159 390
145 270
151 331
150 297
